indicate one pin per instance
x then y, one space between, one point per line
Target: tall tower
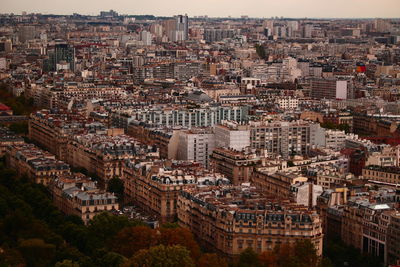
182 24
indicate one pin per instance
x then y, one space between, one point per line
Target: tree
211 260
105 225
170 225
132 239
248 258
107 259
180 236
305 252
268 258
162 256
260 51
67 263
36 252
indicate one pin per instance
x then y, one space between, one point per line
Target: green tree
248 258
36 252
104 226
107 259
67 263
260 51
162 256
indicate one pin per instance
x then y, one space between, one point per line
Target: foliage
330 125
36 252
211 260
163 256
248 258
340 254
260 51
130 240
67 263
180 236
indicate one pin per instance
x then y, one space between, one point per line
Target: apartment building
237 166
287 103
195 144
8 138
176 115
104 155
52 129
224 218
284 138
155 186
276 184
393 239
76 194
382 174
38 165
365 226
230 134
332 88
331 178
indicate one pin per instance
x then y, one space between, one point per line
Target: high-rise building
61 57
182 24
145 37
65 52
195 144
26 33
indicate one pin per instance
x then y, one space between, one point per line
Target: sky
213 8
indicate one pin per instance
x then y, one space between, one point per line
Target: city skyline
222 8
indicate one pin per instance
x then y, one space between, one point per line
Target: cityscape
179 140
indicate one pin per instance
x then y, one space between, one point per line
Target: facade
382 174
195 144
276 184
178 116
365 226
104 155
155 186
53 129
331 88
393 239
305 193
335 140
288 103
284 138
215 35
76 194
331 178
224 218
39 166
237 166
232 135
8 138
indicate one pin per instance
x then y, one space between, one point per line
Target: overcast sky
213 8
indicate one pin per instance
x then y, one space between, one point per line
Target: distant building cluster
251 133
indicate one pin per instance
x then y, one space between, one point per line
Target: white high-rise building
146 37
233 135
195 144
